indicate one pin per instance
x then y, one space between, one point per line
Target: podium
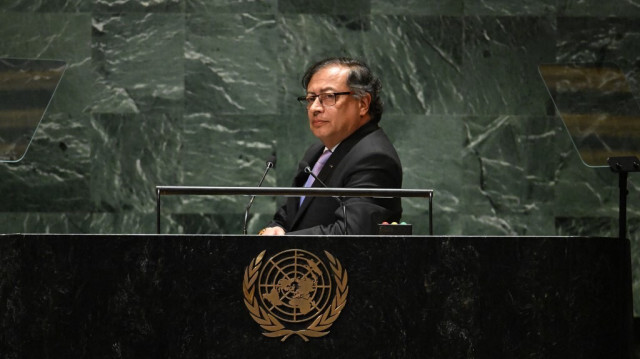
185 296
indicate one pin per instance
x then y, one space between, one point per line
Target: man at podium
344 108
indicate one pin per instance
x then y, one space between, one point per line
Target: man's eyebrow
323 90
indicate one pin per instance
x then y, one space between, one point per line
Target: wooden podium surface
189 296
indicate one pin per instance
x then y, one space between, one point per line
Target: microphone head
305 166
272 160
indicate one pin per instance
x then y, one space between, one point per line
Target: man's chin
318 132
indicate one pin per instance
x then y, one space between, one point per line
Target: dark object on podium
172 296
395 229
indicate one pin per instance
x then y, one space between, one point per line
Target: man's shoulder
373 149
376 141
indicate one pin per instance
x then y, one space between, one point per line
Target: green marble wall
188 92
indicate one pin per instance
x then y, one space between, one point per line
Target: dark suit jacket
366 159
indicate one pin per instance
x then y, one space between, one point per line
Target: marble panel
231 6
66 123
44 184
501 58
230 151
131 154
417 7
123 222
67 39
582 191
129 222
511 165
510 8
601 40
59 36
53 175
430 150
45 222
197 223
633 204
596 8
231 65
596 40
142 6
529 224
419 61
420 222
139 62
47 6
576 226
335 7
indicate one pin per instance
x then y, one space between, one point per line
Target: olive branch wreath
272 325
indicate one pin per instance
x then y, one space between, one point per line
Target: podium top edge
293 191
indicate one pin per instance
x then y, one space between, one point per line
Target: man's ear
365 101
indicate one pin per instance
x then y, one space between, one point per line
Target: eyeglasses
326 99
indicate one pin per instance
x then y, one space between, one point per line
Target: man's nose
316 105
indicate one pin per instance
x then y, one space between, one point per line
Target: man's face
332 124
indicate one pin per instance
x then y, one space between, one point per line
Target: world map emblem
295 293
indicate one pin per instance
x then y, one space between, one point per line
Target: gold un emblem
296 288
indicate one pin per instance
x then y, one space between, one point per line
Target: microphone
271 163
308 170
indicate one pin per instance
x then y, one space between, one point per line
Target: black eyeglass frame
310 99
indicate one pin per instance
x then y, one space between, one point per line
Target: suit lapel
312 155
309 158
343 149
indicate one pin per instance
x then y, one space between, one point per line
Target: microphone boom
308 170
271 163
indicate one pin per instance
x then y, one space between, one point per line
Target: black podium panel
139 296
